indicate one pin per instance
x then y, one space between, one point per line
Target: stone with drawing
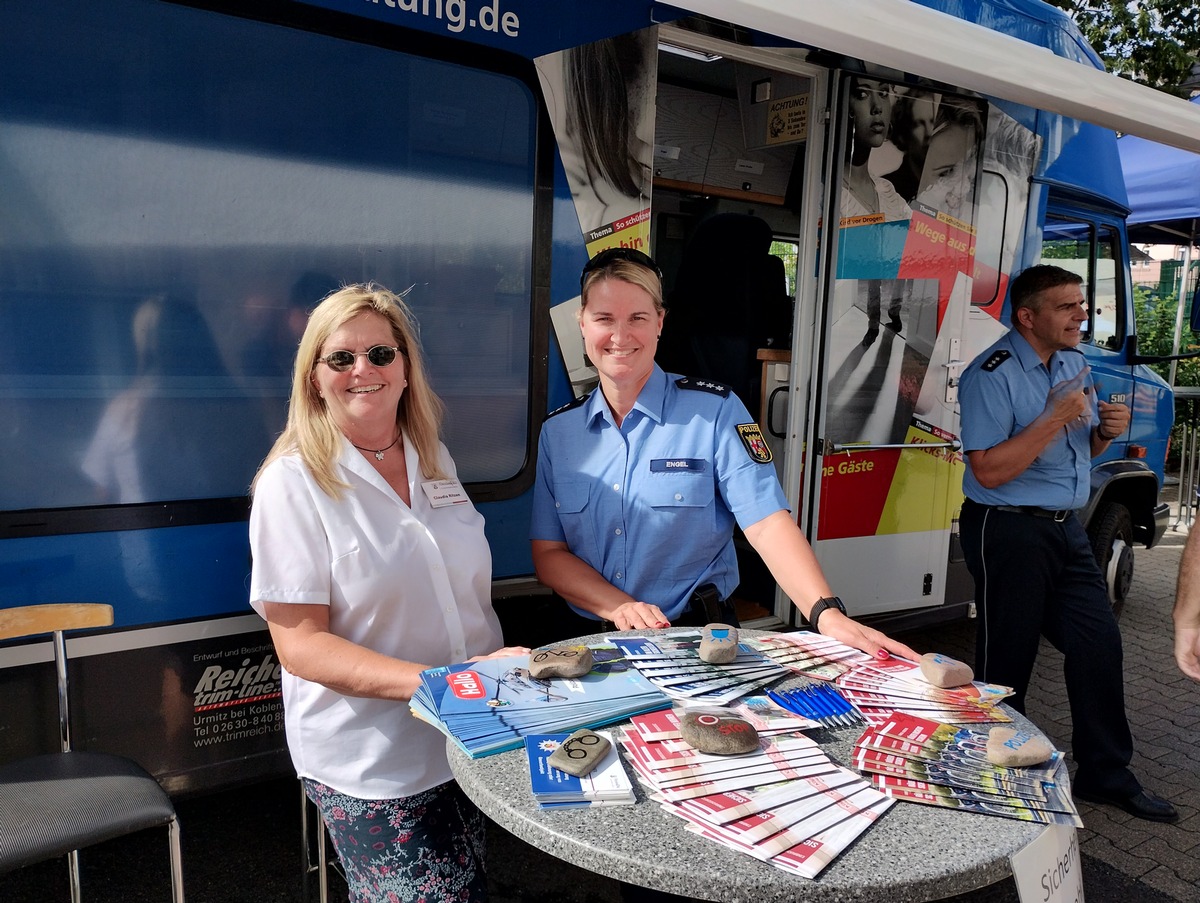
718 644
580 753
717 733
944 672
560 661
1012 748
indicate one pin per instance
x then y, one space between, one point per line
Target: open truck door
909 274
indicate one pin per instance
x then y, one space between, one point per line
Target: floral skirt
425 848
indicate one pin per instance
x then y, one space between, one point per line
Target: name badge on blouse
667 465
443 493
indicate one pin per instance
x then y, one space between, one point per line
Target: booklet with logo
492 705
923 761
606 784
785 803
672 662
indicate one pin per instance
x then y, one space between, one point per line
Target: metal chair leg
73 872
322 862
321 866
176 861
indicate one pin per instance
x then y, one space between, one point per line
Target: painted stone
945 672
579 753
1012 748
559 661
718 644
718 734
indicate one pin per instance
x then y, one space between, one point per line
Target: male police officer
1030 426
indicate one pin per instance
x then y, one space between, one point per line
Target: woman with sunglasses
640 484
370 565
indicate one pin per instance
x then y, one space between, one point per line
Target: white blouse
891 205
413 583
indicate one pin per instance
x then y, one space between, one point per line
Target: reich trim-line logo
219 686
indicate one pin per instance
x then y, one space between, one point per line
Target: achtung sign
787 119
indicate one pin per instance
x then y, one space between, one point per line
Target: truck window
788 251
1090 249
180 190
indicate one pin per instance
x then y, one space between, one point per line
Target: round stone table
912 853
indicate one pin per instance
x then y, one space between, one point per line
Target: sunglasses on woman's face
608 255
341 361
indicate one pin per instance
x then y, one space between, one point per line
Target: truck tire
1111 532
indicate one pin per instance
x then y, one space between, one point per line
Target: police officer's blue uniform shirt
651 504
1003 391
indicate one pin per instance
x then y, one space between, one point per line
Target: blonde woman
370 565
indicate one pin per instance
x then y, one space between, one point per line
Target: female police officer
639 484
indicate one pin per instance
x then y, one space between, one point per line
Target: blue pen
807 707
789 702
783 702
839 705
825 706
804 698
842 705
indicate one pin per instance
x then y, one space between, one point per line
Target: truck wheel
1111 532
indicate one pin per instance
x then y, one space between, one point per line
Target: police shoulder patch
703 385
756 445
569 406
996 358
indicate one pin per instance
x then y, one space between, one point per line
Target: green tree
1154 42
1155 322
1154 319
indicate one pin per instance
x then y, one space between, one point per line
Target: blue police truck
183 181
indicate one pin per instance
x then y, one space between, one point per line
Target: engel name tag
666 465
442 493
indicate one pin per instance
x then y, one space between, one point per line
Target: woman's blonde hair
626 271
311 432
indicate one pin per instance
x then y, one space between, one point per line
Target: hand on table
875 643
505 652
638 616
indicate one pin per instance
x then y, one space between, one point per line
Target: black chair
730 299
56 804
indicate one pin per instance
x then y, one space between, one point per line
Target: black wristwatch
822 604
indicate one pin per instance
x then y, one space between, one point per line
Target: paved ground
1164 712
243 845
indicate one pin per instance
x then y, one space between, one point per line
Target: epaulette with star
997 358
703 385
570 405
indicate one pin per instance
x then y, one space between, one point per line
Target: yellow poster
787 119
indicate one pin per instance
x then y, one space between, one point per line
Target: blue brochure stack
606 785
491 706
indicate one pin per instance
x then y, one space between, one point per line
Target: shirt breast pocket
681 505
682 492
577 512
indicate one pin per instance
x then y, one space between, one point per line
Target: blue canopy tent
1163 184
1164 191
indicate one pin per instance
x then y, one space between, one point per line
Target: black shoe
869 338
1142 804
894 323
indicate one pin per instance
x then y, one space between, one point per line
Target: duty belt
1057 516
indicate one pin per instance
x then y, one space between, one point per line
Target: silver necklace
378 452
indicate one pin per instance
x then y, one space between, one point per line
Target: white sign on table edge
1048 869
